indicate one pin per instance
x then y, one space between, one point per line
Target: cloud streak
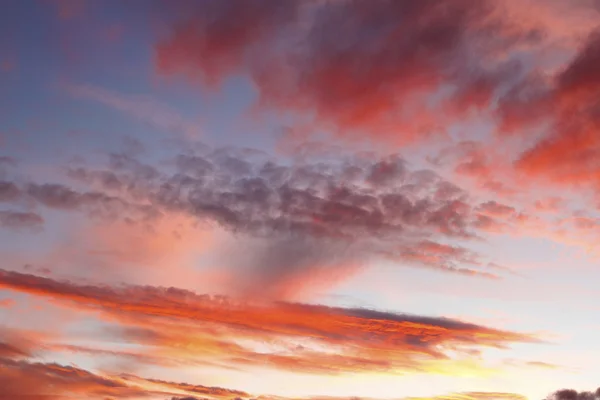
361 339
145 109
17 220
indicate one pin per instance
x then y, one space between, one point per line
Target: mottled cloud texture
292 220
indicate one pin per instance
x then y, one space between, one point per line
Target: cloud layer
289 220
306 338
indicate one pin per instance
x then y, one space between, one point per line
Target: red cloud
358 67
569 151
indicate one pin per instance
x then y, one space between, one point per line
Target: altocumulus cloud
291 220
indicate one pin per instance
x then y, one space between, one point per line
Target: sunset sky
287 199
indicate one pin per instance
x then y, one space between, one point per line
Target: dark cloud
186 398
94 203
571 394
9 192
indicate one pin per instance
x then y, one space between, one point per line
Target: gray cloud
287 219
571 394
9 191
291 218
20 220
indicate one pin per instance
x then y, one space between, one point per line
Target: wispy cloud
144 108
358 339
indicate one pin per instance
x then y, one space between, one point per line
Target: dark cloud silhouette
571 394
186 398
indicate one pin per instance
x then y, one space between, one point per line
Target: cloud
9 192
359 72
495 209
219 44
447 62
294 227
22 377
356 339
571 394
143 108
567 107
348 74
541 364
35 380
94 203
20 220
212 391
45 381
335 212
7 303
20 343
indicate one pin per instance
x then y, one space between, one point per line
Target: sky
299 199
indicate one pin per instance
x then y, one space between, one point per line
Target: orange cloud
7 303
21 376
302 337
51 381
